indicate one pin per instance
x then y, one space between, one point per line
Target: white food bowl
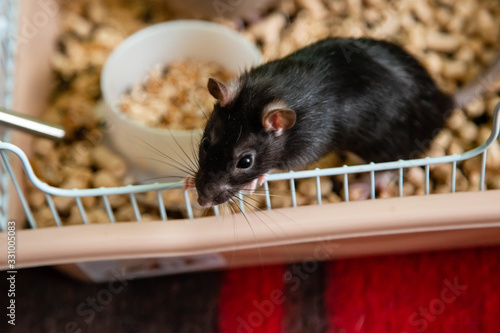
130 62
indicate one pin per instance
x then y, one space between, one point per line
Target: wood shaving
175 97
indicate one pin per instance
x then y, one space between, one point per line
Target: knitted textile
452 291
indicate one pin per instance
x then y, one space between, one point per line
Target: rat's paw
361 188
250 187
189 183
262 179
359 191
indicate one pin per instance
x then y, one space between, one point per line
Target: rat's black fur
365 96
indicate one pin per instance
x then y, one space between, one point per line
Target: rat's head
241 142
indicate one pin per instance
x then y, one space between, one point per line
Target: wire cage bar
8 26
133 190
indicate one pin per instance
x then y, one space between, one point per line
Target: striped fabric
444 292
439 292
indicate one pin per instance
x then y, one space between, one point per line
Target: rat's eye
205 143
245 162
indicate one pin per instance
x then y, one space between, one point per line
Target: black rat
365 96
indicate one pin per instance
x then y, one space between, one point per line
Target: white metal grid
8 29
8 26
133 190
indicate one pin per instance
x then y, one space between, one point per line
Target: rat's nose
212 195
207 196
205 202
211 190
213 199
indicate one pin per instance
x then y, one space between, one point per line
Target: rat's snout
212 195
211 192
205 202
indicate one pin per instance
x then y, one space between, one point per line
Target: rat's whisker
194 152
157 178
283 230
189 158
263 191
245 190
162 154
251 228
265 194
249 205
180 168
198 105
265 212
153 149
274 210
235 234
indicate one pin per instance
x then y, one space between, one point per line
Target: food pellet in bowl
175 97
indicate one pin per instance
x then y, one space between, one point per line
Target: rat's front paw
189 183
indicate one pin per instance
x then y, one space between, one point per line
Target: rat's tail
479 86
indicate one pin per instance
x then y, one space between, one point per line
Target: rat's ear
219 91
278 117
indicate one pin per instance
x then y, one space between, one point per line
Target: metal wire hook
19 121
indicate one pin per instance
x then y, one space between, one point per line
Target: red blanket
455 291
